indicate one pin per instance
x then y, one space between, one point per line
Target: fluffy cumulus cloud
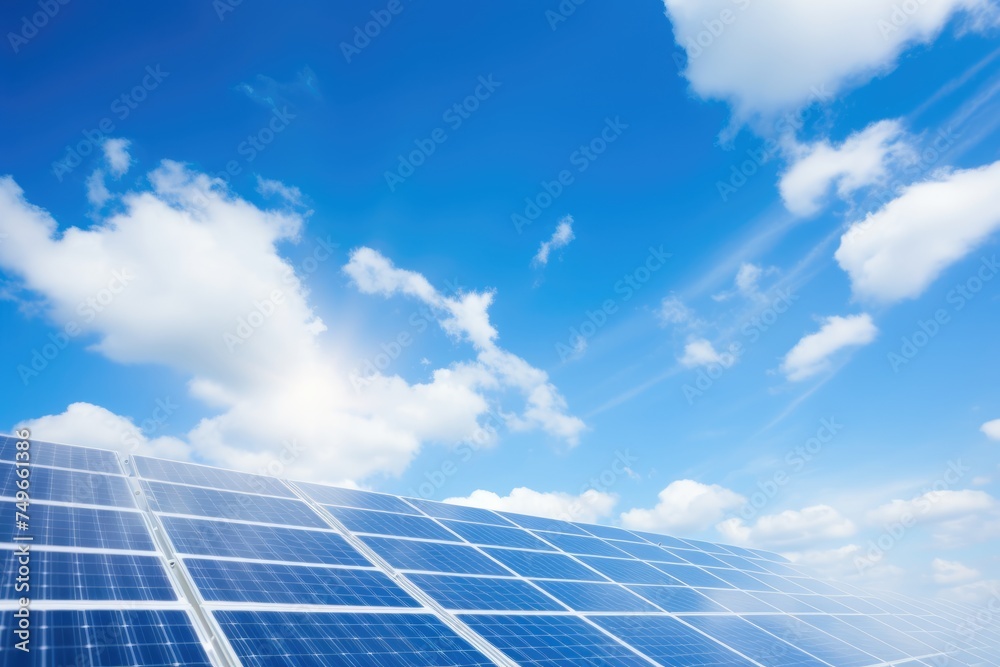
188 276
90 425
841 563
561 238
950 573
896 252
863 159
684 505
701 352
933 506
764 57
117 156
812 354
466 318
674 312
789 529
589 507
992 429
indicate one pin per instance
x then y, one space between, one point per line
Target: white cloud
980 594
673 311
811 355
992 429
684 505
949 573
189 276
97 191
701 352
746 283
736 47
560 239
117 155
898 251
588 507
842 564
791 528
863 159
466 317
933 506
269 188
90 425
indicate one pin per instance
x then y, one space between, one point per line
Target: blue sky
724 271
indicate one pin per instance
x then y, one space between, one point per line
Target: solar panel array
151 562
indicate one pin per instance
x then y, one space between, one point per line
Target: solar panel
670 642
572 544
206 537
275 583
64 575
266 638
498 536
458 512
216 478
544 565
331 495
109 638
387 523
553 641
63 456
433 556
585 596
677 599
484 593
69 486
541 523
374 579
753 642
180 499
628 571
66 526
826 647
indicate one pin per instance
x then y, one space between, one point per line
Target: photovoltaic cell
738 602
109 638
386 523
698 558
661 540
581 596
266 639
708 547
898 640
68 486
610 533
740 580
216 478
837 628
272 583
62 575
670 642
179 499
458 512
646 552
63 456
753 642
553 641
677 599
781 584
497 536
826 605
365 500
61 525
433 557
826 647
628 571
544 565
204 537
483 593
692 576
786 603
590 546
540 523
741 563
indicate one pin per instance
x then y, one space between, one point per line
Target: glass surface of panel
433 557
68 486
61 525
497 536
387 523
544 565
585 596
64 575
196 501
365 500
483 593
216 478
459 512
670 642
